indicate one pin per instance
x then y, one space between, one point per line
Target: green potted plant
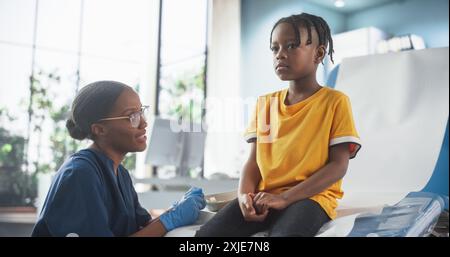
24 180
17 188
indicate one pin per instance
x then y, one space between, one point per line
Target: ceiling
352 5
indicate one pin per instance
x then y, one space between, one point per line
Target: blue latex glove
185 212
193 191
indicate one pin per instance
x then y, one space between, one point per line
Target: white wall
223 143
428 19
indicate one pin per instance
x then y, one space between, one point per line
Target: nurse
92 193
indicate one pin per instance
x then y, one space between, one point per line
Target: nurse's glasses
135 117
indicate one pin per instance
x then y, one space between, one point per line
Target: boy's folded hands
249 210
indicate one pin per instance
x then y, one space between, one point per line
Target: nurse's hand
183 213
193 191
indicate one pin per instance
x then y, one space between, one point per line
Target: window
181 87
62 45
182 66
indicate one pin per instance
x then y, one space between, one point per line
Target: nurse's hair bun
92 103
75 131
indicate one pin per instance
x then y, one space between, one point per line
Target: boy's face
291 62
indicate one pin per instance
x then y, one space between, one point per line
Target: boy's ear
320 54
98 130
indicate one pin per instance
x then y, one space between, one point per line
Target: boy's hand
264 201
247 209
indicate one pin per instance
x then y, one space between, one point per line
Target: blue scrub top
86 198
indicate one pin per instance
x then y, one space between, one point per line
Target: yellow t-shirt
293 141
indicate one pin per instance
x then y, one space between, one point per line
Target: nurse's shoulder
80 168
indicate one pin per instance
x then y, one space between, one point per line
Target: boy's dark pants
303 218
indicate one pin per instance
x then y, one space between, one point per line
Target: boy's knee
290 233
212 231
203 233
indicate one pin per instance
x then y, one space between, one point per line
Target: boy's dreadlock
308 20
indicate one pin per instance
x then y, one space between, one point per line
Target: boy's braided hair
308 20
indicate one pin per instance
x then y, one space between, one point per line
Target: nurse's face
120 134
